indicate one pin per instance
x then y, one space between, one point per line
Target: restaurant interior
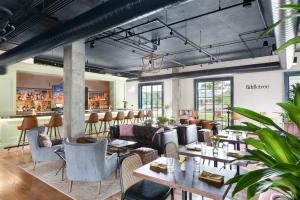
149 99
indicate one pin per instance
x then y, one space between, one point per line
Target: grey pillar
74 83
175 95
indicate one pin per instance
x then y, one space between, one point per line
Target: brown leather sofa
204 124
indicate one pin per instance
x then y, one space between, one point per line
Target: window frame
287 83
196 95
141 85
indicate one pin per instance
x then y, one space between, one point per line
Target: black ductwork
106 16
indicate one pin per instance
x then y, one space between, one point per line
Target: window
212 97
151 98
290 79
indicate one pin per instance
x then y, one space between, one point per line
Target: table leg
190 196
184 195
238 146
215 163
238 170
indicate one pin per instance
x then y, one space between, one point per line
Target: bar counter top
49 113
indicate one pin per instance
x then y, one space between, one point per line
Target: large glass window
290 79
151 98
212 98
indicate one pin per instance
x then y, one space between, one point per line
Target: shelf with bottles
28 99
98 100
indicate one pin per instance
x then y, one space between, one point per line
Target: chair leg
24 138
100 127
55 136
99 187
20 138
172 194
95 129
85 127
34 165
70 185
58 132
47 131
50 133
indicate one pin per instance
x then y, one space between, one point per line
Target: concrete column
74 86
175 95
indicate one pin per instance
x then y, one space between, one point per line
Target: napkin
234 154
212 179
193 147
158 167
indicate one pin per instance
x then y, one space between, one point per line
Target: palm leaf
276 146
258 188
293 112
253 115
263 157
294 144
241 128
291 6
288 43
255 143
252 126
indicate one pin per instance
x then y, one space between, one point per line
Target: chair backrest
56 120
93 118
120 115
207 134
235 116
33 141
130 115
141 114
129 164
29 122
195 114
149 113
171 150
85 162
206 124
108 116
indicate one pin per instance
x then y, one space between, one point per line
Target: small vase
215 147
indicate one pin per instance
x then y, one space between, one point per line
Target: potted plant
215 143
277 151
162 121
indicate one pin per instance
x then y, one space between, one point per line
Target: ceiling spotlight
92 44
171 33
266 43
186 42
247 3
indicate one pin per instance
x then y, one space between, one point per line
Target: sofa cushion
126 130
144 134
44 140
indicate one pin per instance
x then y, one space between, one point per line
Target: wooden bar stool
119 118
106 120
54 123
93 120
149 114
139 116
130 116
28 123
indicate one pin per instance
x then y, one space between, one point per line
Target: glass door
151 98
213 97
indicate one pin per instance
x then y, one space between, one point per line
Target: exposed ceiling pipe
104 17
284 31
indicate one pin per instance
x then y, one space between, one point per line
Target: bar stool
106 120
28 123
54 123
130 116
93 120
149 114
139 116
119 118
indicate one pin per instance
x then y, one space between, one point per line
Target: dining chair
171 150
134 188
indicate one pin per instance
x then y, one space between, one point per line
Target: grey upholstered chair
89 162
40 153
171 150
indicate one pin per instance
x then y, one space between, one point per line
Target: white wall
260 100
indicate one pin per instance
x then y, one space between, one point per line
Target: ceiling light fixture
152 62
186 42
171 33
266 43
92 44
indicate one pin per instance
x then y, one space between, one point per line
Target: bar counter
9 134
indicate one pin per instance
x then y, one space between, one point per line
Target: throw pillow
126 130
44 140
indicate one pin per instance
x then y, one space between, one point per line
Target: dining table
187 180
216 156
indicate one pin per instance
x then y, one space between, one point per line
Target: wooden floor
16 184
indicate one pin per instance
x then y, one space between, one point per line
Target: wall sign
256 86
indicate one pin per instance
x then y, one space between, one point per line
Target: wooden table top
221 156
187 180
